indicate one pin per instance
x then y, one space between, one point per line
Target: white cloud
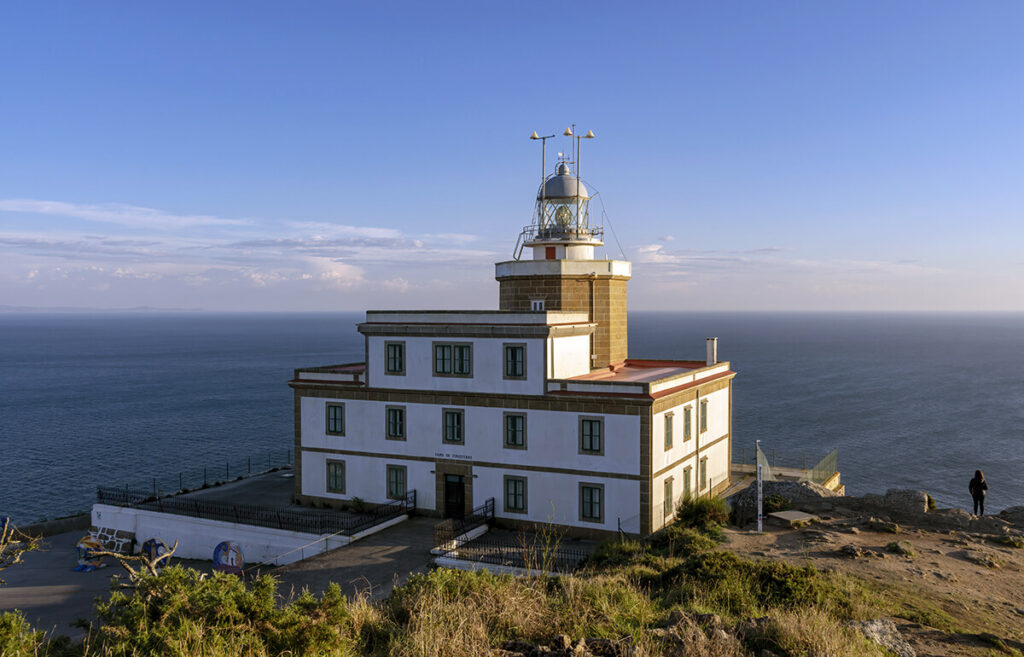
131 216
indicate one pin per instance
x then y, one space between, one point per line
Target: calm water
910 400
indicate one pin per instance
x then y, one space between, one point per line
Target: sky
307 156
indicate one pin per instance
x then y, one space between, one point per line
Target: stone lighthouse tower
554 267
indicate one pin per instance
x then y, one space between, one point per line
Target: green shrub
702 513
777 502
616 552
17 637
676 540
182 611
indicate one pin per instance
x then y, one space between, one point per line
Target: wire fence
214 472
308 522
773 463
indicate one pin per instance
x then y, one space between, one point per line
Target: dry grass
812 633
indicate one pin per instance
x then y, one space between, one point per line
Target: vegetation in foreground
631 590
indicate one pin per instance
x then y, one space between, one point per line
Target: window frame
387 422
451 346
461 412
387 357
688 482
703 419
669 502
505 346
344 476
687 422
404 469
580 423
506 479
601 502
504 429
328 407
702 473
537 305
669 437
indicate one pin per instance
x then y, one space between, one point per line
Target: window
515 361
335 476
336 419
454 425
592 502
396 482
394 357
515 431
453 359
686 482
668 497
703 415
395 423
515 494
591 429
537 305
687 424
704 473
668 431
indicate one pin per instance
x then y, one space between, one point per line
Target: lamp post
543 162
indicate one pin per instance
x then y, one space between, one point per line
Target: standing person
978 487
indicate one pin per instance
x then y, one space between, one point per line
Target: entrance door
454 496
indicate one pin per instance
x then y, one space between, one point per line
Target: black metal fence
308 522
448 530
530 551
214 472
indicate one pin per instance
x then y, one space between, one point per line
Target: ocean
909 400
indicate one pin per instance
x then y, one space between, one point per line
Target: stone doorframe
442 468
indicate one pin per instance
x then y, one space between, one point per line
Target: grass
628 588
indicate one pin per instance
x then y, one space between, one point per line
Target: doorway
454 496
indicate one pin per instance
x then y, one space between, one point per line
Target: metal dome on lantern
561 216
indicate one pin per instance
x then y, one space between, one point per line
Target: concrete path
375 563
52 595
49 592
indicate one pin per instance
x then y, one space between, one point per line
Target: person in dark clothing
978 488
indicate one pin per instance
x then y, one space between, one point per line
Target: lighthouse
534 410
561 271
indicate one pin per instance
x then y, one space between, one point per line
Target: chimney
712 351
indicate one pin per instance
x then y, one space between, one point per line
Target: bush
777 502
182 611
702 513
16 636
676 540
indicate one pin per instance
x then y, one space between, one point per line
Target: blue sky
329 156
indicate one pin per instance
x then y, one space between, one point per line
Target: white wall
569 356
488 366
552 437
554 498
366 478
197 537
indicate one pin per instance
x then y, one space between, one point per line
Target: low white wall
461 540
197 537
462 564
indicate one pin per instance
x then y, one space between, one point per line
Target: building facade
535 405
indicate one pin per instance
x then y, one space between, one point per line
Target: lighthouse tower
562 272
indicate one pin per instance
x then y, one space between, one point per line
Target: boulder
884 633
804 495
905 500
1013 515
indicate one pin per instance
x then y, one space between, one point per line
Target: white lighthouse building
536 404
